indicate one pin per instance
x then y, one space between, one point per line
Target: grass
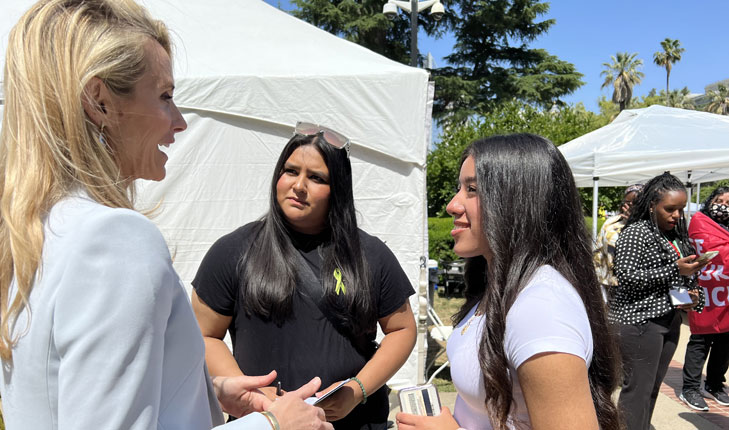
588 223
445 307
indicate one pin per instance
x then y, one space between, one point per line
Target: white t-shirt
547 316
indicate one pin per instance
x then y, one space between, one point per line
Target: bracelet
361 386
271 420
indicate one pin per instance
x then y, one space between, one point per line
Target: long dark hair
652 193
268 270
706 205
533 217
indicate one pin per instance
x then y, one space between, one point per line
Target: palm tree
623 74
680 99
719 101
671 54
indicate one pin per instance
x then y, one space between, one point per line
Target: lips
296 202
458 227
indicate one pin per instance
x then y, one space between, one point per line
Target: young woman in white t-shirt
531 347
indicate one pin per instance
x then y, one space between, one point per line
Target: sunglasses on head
334 138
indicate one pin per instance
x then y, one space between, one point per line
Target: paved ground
670 413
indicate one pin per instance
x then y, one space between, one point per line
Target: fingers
253 382
307 390
406 419
321 414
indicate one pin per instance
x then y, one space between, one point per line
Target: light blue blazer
110 341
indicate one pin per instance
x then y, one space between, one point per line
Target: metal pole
698 194
422 339
414 33
594 208
688 199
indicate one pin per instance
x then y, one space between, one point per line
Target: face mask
719 213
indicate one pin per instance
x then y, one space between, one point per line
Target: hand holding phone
420 400
705 257
317 400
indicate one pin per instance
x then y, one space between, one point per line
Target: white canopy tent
642 143
245 73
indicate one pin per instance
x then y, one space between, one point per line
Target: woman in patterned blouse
653 259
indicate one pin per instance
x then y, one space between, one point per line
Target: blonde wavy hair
48 145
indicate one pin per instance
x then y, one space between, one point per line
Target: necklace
673 245
468 323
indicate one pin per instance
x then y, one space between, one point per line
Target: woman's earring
102 138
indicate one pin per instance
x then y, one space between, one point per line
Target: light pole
414 7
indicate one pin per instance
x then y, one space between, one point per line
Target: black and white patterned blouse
645 265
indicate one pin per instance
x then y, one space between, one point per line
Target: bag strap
313 289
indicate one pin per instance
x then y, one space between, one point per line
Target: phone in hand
705 257
680 296
420 400
317 400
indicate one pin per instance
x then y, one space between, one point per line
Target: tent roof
642 143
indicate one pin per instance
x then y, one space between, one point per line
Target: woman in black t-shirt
302 290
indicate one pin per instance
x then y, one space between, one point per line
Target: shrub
440 241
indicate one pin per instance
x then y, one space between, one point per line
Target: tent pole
688 189
698 194
594 208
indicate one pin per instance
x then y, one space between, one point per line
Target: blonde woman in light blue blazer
96 330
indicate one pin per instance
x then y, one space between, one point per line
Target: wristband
271 420
361 386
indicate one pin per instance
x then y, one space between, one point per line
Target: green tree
491 61
680 99
671 54
719 101
559 125
676 98
623 75
362 22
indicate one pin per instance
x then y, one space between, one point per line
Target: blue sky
587 33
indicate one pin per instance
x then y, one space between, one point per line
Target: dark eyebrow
470 179
288 165
321 174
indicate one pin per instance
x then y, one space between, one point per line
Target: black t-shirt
306 344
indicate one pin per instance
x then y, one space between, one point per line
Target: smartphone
316 400
679 296
420 400
708 255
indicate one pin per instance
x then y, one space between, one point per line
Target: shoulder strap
312 288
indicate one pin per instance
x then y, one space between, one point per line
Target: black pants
647 350
716 346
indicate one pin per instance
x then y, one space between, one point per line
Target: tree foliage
623 75
671 54
559 125
361 22
490 62
719 101
675 98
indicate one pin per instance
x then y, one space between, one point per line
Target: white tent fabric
245 73
642 143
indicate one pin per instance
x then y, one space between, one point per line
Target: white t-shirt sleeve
547 316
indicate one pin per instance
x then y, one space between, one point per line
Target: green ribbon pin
340 285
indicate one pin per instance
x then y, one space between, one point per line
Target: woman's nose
454 207
178 124
300 184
